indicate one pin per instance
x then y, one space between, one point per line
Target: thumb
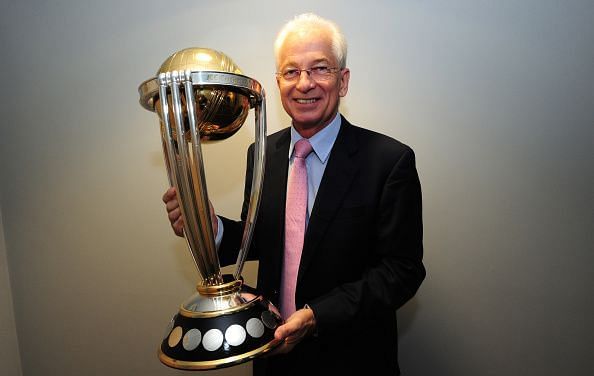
284 330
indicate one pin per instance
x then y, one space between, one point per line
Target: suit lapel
338 176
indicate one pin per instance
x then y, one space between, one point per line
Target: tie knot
302 148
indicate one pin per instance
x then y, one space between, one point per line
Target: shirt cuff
219 236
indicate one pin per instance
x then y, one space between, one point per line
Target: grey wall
496 98
10 360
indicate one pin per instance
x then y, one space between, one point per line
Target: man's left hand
298 326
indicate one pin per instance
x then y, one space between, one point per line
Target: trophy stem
200 190
198 232
257 182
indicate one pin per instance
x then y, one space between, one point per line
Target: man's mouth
306 101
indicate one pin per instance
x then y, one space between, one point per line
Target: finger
178 227
248 296
282 332
279 333
294 329
282 348
295 337
169 194
174 215
171 204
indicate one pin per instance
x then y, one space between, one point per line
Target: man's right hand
175 217
173 211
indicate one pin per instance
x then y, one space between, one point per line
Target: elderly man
339 232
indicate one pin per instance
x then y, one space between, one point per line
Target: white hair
309 21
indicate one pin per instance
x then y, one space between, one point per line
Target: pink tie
296 209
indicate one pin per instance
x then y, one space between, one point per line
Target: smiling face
311 104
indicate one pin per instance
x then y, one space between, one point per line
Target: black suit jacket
362 255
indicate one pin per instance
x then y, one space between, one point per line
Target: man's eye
320 70
290 72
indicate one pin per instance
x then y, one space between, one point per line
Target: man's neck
309 132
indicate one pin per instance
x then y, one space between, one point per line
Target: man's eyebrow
323 60
292 64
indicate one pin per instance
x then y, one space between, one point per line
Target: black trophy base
203 340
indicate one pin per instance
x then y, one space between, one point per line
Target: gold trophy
200 95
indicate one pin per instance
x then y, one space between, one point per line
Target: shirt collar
322 141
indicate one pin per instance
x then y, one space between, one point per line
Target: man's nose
304 81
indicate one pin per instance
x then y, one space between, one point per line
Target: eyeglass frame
309 72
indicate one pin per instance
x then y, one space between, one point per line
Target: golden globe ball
220 112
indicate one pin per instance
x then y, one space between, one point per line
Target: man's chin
308 123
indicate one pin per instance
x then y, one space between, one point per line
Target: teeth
305 101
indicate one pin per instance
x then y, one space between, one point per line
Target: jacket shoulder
376 143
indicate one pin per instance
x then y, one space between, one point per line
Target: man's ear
345 76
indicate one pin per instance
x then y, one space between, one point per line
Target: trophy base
215 331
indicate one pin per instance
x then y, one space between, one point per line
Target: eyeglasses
318 73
